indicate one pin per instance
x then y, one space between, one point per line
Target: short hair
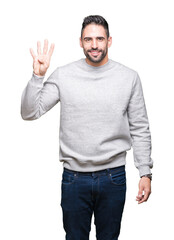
96 19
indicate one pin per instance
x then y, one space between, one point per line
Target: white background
30 171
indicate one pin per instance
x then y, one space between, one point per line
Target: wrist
148 176
37 75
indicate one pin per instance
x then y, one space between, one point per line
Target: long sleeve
39 97
139 129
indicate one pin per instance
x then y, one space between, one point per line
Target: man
103 114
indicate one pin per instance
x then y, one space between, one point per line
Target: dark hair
96 19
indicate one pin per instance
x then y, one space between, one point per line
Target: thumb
41 59
140 192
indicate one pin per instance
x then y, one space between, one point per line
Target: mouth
94 53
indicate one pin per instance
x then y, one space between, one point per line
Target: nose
94 43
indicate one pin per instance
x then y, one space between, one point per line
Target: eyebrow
91 37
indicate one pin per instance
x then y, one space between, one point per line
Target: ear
80 41
109 41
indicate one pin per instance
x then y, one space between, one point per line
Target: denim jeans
102 192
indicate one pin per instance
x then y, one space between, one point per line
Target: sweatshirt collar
101 68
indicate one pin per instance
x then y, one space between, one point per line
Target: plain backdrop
30 171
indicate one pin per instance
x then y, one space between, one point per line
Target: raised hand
41 61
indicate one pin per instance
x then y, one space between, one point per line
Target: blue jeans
102 192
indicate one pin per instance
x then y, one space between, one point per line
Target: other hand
144 185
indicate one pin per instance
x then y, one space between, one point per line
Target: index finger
51 50
32 53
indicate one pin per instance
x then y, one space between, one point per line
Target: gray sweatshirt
102 114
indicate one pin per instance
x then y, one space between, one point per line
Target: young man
103 114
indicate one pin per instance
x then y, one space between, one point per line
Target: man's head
95 40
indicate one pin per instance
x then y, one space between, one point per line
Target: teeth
94 52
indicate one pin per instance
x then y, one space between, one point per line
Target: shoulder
124 68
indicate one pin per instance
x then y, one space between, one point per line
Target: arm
139 129
38 97
141 138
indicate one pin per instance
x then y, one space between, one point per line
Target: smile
94 53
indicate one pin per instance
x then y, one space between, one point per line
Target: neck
105 60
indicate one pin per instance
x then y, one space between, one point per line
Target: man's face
95 43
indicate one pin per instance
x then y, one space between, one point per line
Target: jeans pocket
118 178
67 178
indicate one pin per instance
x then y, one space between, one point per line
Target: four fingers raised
45 49
42 60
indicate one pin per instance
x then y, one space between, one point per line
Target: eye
87 39
100 39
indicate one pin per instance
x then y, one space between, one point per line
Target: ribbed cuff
36 76
37 80
144 170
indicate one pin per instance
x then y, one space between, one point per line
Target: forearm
30 101
142 156
141 138
39 97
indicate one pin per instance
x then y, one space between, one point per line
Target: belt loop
108 170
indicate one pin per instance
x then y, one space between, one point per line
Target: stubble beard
96 59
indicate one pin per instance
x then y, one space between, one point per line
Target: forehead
93 30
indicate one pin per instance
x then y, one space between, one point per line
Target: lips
94 53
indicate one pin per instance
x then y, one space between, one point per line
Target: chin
94 60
